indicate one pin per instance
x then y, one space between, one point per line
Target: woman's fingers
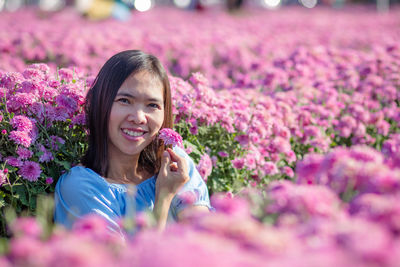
173 166
176 158
165 161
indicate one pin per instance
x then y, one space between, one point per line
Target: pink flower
238 163
21 138
65 74
49 180
20 100
242 139
170 137
223 154
270 168
233 206
3 177
22 123
30 171
205 166
27 226
288 171
4 132
189 149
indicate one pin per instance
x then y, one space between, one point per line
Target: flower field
292 117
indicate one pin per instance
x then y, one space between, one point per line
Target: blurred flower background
290 110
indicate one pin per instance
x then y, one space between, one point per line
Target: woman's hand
172 176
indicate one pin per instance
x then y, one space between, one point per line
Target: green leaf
22 194
65 164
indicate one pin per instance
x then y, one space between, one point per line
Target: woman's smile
137 115
133 134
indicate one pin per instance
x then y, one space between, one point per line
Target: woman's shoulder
80 178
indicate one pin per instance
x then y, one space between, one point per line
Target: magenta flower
170 137
223 154
21 138
13 161
205 166
238 163
22 123
24 153
30 171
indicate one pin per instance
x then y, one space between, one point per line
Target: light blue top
82 191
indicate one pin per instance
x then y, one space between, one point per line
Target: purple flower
49 180
30 171
170 137
13 161
46 156
55 141
24 153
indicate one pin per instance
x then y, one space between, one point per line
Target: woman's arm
172 176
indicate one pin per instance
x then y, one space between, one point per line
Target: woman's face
137 114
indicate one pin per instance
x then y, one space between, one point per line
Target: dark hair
99 101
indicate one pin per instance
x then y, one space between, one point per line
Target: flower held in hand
170 137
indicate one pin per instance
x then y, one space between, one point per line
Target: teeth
132 133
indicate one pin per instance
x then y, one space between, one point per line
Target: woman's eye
123 100
154 105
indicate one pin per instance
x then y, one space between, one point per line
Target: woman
126 107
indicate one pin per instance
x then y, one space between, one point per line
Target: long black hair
99 101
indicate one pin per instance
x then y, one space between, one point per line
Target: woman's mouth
133 134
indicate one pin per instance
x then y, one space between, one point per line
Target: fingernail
165 153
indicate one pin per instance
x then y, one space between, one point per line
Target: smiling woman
129 103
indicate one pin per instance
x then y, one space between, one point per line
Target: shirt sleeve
78 194
194 192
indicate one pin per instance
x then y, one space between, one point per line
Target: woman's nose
137 115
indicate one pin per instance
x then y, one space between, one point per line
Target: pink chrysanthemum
22 123
30 171
170 137
21 138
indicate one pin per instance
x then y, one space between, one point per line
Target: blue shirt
82 191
